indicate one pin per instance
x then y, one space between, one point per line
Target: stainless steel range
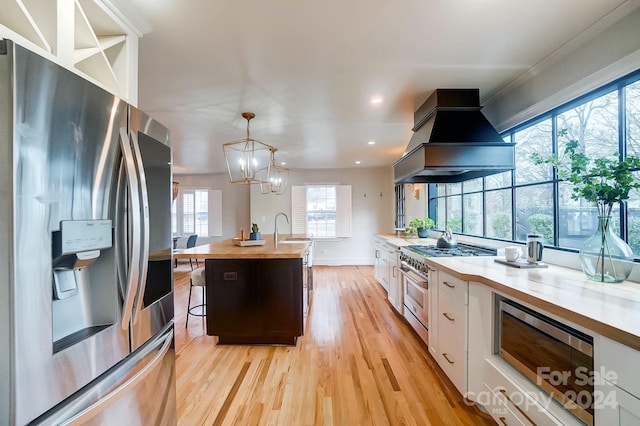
459 250
415 279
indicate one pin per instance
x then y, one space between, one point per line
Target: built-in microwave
555 356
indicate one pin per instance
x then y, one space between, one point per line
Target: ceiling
309 69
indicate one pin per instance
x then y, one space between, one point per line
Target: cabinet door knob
446 315
448 285
446 356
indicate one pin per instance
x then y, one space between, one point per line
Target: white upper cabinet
93 38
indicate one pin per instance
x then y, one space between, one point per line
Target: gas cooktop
460 250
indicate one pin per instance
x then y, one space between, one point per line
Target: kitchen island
255 294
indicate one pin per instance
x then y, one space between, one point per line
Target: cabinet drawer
521 401
500 412
452 342
456 287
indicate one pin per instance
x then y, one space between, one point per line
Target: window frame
213 224
618 86
343 210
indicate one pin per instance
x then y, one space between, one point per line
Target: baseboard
343 262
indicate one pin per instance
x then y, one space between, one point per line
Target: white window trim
343 210
214 210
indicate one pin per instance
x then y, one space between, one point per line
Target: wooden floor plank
358 363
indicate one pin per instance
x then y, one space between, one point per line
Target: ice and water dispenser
84 281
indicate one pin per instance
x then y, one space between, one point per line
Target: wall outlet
264 218
324 252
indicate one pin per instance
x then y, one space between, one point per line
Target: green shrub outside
542 224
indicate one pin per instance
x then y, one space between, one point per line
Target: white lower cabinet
617 394
394 290
379 266
386 260
452 332
452 328
615 406
526 403
461 320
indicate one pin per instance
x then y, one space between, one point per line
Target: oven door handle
414 276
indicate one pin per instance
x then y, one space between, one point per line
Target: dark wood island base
255 301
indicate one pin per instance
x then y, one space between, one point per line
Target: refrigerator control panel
84 235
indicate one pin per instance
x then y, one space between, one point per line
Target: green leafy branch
603 181
416 223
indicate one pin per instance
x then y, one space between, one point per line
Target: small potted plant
604 182
420 227
255 232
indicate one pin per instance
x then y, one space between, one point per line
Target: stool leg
204 300
189 303
204 295
191 264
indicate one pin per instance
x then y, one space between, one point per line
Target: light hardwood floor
357 364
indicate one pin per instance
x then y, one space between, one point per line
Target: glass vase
605 257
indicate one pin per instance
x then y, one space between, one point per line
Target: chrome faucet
275 226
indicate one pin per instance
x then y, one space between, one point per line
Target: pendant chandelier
253 162
248 158
275 177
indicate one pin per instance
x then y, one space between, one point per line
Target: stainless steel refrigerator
86 283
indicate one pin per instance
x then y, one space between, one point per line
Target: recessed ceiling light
372 142
357 162
284 163
376 100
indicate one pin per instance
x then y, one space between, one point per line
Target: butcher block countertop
612 310
228 250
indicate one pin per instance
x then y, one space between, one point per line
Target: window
323 211
197 211
532 198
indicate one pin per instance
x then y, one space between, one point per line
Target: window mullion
556 182
622 138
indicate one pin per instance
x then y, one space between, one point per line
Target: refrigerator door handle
144 256
133 275
120 227
163 342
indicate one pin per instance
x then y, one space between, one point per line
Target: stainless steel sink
294 240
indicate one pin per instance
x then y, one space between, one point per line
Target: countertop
228 250
612 310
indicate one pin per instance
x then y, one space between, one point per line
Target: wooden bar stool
197 280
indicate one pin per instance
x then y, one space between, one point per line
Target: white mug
512 253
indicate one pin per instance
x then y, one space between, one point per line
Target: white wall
235 202
372 207
415 208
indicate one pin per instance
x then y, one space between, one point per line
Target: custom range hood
453 142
